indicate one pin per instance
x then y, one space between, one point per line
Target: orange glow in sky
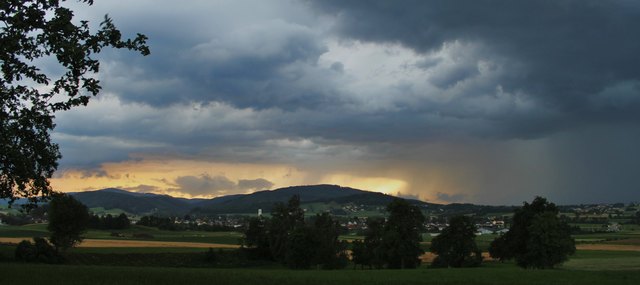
161 176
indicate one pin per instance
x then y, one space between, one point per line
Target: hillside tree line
109 222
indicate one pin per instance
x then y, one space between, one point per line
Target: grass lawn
15 273
604 260
40 230
33 230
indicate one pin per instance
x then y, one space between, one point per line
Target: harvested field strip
600 246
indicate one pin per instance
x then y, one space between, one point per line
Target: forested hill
147 203
324 194
136 203
316 198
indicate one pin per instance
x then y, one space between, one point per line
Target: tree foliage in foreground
537 238
456 245
33 32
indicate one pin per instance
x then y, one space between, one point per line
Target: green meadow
13 273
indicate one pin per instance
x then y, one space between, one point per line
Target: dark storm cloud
238 56
204 185
218 185
571 52
510 69
450 198
414 90
254 184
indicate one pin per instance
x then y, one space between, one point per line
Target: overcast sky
490 102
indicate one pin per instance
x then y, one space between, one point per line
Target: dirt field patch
602 246
134 243
428 257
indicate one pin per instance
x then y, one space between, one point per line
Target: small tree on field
537 238
550 242
394 243
402 237
68 220
456 245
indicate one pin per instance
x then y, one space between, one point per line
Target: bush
211 256
25 251
142 236
456 245
40 251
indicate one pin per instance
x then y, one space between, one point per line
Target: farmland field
167 257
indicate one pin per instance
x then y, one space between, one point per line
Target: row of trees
109 222
537 238
163 223
298 243
288 238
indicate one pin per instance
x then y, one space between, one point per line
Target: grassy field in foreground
60 274
40 230
604 260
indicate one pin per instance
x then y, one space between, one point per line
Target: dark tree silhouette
109 222
284 219
456 245
68 220
297 243
394 243
300 248
256 239
537 238
359 254
402 237
38 251
31 32
375 253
